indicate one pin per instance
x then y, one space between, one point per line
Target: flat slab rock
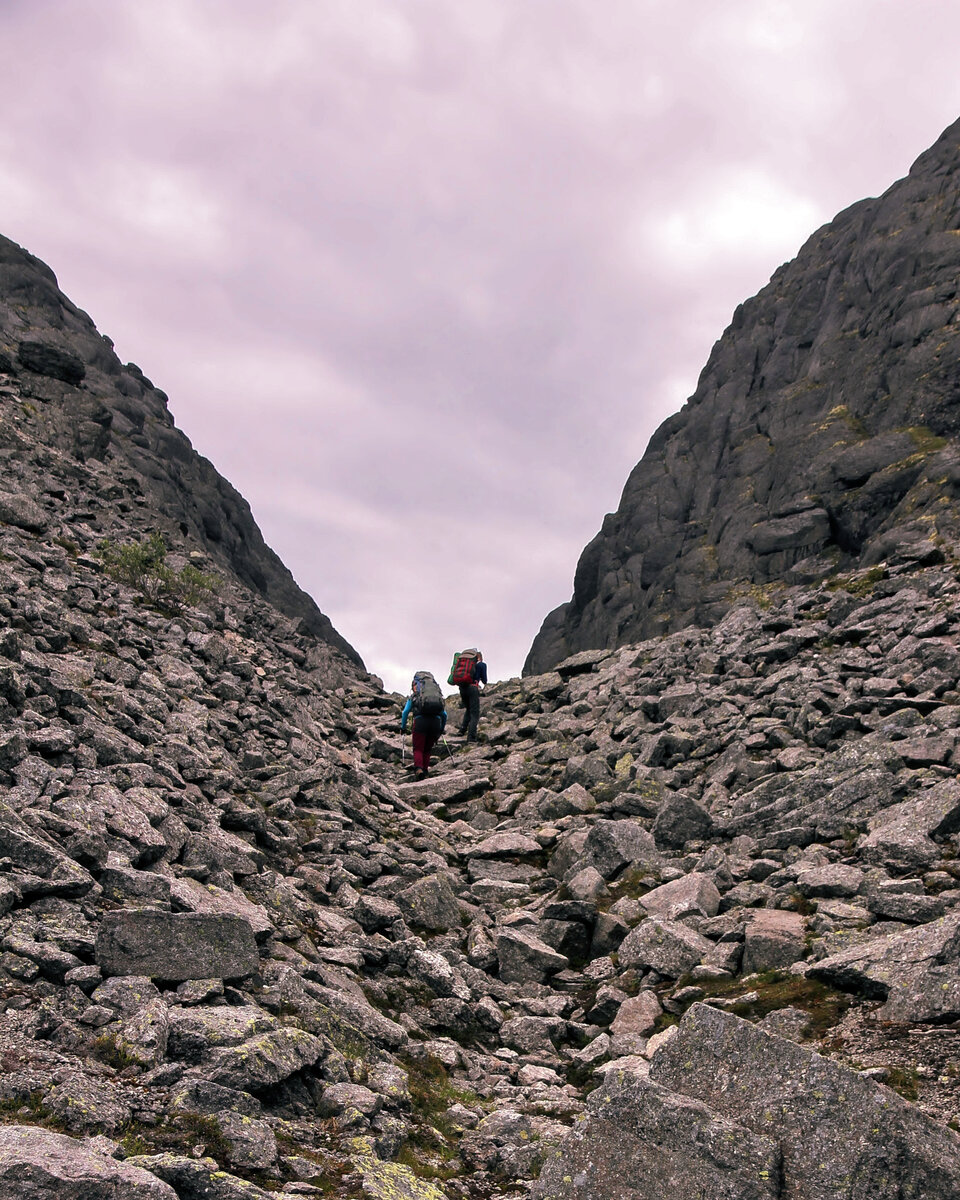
176 946
37 1164
916 973
729 1110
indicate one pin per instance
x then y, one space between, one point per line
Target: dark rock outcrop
823 433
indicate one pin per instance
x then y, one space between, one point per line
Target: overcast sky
421 277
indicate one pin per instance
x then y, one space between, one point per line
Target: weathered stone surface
265 1060
679 821
840 1135
524 958
916 973
64 876
773 939
694 895
613 845
903 835
176 945
41 1165
430 903
198 1178
722 493
637 1014
22 512
393 1181
665 946
641 1141
511 844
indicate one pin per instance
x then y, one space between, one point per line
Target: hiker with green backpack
469 673
425 702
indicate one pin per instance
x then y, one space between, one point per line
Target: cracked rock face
822 433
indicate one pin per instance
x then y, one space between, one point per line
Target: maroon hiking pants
424 739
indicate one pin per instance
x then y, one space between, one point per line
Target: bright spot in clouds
746 214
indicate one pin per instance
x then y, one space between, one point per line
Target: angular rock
510 844
916 973
265 1060
524 958
667 947
176 946
199 1178
693 895
430 904
637 1015
839 1134
681 820
42 1165
612 845
773 939
642 1141
902 836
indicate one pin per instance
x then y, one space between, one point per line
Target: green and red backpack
463 663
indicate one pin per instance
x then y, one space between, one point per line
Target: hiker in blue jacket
429 719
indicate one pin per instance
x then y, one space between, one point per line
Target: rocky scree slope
88 404
822 434
240 954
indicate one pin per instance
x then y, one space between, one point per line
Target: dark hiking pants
470 699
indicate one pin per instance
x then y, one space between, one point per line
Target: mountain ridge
823 428
96 408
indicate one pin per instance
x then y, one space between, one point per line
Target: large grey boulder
773 938
430 903
916 973
612 845
841 1136
693 895
64 877
524 958
176 946
731 1112
681 820
265 1060
37 1164
668 947
641 1141
199 1178
902 836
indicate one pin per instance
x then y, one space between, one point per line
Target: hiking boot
421 774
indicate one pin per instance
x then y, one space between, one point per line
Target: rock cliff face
86 403
822 433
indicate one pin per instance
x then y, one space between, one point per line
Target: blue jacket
407 709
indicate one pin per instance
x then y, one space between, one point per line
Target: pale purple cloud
422 278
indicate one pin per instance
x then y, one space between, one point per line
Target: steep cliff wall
822 433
